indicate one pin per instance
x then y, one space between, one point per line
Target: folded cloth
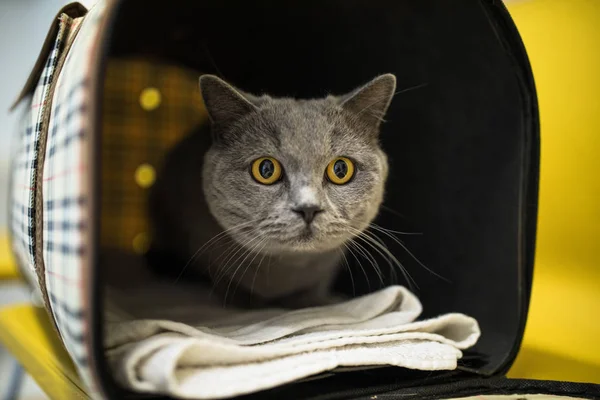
211 352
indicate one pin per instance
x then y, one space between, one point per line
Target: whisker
392 211
377 241
350 271
221 266
393 231
224 254
349 248
230 243
228 263
198 252
383 251
250 251
386 98
257 268
376 227
236 246
365 253
410 88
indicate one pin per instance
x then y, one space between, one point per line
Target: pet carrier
115 88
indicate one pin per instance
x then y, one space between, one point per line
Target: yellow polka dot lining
141 243
150 99
145 175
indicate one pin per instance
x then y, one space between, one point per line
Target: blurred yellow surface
561 341
7 265
26 332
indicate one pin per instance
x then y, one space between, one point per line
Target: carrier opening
457 136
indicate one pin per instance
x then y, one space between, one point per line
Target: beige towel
208 352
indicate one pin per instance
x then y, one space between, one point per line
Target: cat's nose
308 212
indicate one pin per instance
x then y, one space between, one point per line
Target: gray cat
268 197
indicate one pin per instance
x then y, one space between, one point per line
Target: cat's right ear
223 102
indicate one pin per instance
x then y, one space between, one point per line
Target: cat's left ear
370 102
223 102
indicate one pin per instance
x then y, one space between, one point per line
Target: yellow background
562 339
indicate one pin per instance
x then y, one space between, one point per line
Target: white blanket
209 352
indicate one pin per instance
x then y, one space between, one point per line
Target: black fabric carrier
462 135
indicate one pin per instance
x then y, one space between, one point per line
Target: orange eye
340 170
266 170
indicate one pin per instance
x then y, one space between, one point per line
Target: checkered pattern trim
21 208
25 162
134 135
65 181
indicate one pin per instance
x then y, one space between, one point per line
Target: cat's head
286 175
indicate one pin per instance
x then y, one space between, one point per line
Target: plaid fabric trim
133 136
25 163
64 191
21 211
66 171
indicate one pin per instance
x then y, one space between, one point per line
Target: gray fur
206 187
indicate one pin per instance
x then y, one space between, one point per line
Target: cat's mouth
307 234
311 238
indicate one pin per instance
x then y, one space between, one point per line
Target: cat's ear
371 101
223 102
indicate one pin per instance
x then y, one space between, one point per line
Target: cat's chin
306 247
304 243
